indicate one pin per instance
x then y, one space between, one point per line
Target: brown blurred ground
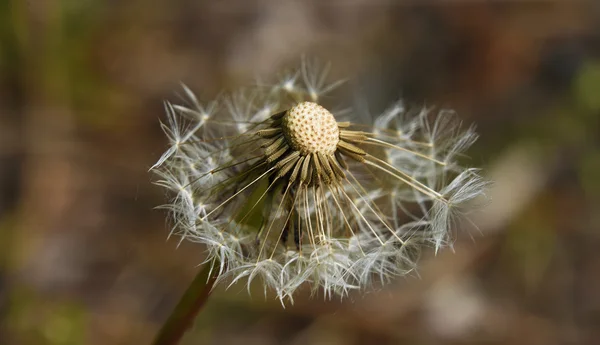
83 256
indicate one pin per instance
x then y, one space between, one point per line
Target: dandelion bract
279 188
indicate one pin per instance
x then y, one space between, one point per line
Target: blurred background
83 254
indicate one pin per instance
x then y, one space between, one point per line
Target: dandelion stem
190 304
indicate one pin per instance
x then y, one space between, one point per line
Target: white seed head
294 198
310 128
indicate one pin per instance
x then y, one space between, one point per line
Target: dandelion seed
277 189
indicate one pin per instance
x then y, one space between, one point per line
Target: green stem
188 307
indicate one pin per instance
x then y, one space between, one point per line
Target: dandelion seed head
277 189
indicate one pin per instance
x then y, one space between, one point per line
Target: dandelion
278 188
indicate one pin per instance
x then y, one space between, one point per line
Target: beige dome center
310 128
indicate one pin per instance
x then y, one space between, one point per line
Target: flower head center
310 128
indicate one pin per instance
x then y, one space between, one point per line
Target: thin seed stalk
191 303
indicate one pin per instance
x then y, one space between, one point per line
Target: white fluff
364 229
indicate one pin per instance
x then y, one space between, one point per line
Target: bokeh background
83 254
